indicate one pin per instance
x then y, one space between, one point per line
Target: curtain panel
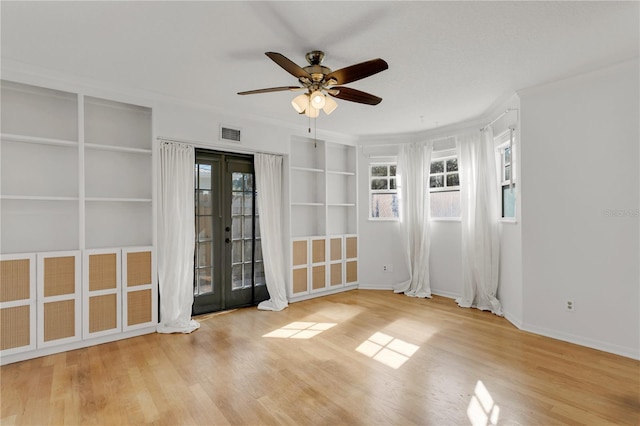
480 227
414 162
269 186
176 238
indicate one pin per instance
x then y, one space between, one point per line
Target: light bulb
317 99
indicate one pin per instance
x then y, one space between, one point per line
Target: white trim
625 351
10 359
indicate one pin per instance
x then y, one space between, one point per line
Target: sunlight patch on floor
482 410
300 330
387 349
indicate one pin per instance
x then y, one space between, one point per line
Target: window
383 191
444 186
507 178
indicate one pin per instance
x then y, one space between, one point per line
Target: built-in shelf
8 137
117 148
37 198
324 213
335 172
308 204
119 200
307 169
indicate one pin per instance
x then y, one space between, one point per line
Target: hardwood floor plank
357 358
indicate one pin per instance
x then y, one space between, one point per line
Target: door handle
227 240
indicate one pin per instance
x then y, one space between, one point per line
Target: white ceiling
448 61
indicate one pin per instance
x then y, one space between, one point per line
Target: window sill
445 219
508 220
384 219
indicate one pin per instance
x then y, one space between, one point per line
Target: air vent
229 134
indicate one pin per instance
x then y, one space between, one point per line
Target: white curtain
269 186
176 238
480 232
414 162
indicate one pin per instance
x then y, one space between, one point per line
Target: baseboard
583 341
446 294
512 319
374 287
322 293
23 356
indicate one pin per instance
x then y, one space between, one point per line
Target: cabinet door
300 268
139 289
58 298
17 303
102 283
351 255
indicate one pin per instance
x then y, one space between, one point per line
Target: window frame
502 142
388 177
444 155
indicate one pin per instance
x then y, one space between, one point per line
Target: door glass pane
237 181
204 172
248 223
258 251
236 228
236 203
204 202
204 228
248 203
236 277
259 274
204 254
248 278
248 250
236 252
248 182
203 281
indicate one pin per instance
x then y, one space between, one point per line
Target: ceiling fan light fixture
300 103
317 100
312 112
329 105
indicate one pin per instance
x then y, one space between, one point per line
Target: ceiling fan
318 81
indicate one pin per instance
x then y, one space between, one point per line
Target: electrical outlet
569 305
387 268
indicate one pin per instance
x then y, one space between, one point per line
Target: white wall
580 201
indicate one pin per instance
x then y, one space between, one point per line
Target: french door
229 270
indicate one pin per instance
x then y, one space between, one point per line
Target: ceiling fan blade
288 65
358 71
353 95
271 89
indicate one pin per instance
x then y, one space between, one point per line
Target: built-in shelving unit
76 184
323 194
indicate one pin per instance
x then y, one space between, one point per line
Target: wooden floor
361 357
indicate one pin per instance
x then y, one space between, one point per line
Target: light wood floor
361 357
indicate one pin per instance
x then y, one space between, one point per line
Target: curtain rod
505 112
218 147
444 138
